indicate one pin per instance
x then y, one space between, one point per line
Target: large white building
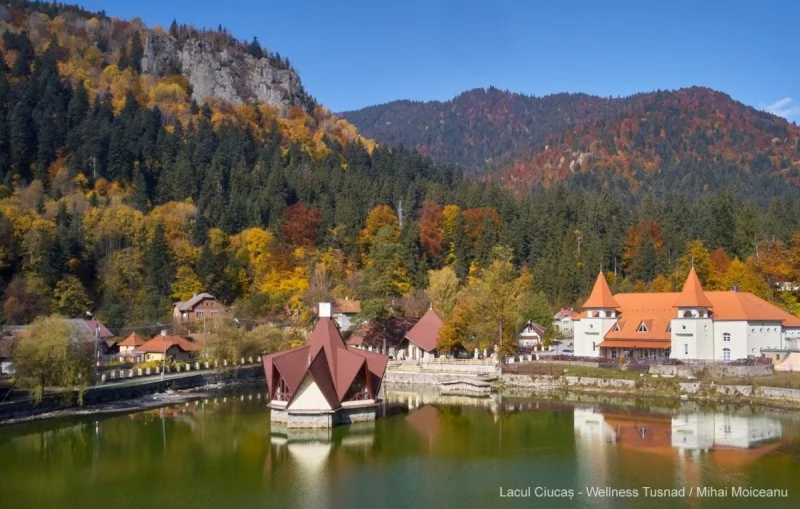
690 325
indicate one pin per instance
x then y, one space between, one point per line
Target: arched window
726 354
687 314
726 336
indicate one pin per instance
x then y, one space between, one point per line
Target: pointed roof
692 295
425 333
133 340
328 361
601 296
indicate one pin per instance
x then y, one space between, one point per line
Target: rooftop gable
692 295
601 296
425 333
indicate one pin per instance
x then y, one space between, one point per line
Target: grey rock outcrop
237 78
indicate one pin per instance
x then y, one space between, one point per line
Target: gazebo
323 383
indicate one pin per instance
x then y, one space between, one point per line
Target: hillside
697 138
141 165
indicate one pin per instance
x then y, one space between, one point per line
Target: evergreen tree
158 264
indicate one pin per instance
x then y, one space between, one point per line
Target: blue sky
356 53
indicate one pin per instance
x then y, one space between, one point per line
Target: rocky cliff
235 77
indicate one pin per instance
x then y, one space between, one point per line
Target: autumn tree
498 297
443 288
47 357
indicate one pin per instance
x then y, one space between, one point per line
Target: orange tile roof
692 295
601 296
132 340
732 305
159 343
661 345
652 309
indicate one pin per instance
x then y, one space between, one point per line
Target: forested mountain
130 178
695 139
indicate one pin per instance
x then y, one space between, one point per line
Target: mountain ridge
527 141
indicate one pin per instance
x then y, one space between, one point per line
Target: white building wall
589 332
791 338
738 343
761 335
697 334
309 397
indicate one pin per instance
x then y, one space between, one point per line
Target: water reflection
683 434
222 451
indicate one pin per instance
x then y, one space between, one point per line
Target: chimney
324 309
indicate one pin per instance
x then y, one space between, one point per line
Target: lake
427 451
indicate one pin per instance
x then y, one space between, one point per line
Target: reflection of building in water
414 399
425 421
311 451
592 436
706 432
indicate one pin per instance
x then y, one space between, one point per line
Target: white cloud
786 108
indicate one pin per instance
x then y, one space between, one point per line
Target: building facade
199 307
691 325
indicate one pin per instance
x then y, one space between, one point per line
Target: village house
690 325
563 322
422 339
199 307
390 333
323 383
130 344
532 334
175 347
344 310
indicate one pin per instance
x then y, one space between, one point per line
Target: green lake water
220 452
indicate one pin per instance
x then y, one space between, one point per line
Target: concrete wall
318 420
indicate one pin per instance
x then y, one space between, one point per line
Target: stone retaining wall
114 392
779 393
599 382
715 370
419 378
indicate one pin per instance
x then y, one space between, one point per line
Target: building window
642 328
594 346
685 349
199 314
726 336
726 354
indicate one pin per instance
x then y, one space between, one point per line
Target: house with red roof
532 334
174 347
423 338
563 322
324 382
690 325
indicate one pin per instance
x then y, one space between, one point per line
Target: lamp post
164 358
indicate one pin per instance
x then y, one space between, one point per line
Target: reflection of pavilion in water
305 455
722 436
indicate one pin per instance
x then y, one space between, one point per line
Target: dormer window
616 328
669 328
642 327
